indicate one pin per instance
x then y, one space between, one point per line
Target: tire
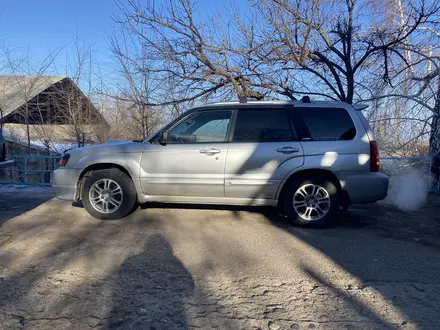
324 214
114 178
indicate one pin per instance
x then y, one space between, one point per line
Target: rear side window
268 125
328 124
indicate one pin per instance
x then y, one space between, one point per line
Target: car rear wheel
312 201
109 194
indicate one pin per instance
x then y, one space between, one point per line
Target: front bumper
7 163
364 187
64 183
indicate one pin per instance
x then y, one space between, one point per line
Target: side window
328 124
268 125
207 126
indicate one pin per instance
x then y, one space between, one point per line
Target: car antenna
242 99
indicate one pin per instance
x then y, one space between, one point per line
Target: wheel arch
96 167
308 172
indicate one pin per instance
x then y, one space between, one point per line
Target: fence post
25 170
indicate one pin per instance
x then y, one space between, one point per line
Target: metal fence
30 170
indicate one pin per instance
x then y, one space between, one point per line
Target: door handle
210 151
288 150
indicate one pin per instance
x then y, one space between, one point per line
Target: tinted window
262 126
209 126
328 124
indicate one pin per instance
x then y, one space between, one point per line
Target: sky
51 25
42 26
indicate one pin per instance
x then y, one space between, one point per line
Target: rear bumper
7 163
64 183
368 187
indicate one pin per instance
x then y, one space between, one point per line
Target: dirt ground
180 267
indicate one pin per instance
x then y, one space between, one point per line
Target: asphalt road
167 267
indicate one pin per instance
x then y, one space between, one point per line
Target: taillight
64 159
374 157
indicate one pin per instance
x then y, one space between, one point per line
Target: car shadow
269 212
273 214
20 200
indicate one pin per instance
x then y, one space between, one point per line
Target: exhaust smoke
408 189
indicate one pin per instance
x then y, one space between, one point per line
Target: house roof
15 91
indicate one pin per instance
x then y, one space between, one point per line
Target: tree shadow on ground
149 285
380 246
154 283
64 278
14 204
387 250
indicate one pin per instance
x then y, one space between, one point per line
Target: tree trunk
78 138
434 141
434 138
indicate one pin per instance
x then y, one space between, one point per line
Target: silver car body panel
182 170
366 187
208 200
122 153
256 170
64 183
238 173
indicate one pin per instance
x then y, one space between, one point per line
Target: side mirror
163 137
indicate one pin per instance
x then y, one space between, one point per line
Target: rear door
264 148
333 138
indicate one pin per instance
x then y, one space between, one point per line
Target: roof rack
360 106
305 99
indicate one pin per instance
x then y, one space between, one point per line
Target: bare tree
74 114
332 45
415 84
72 110
136 88
122 126
197 60
34 76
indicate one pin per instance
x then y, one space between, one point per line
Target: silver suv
308 158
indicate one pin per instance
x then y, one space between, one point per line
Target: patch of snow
57 147
5 132
53 146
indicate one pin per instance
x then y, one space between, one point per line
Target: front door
193 160
263 151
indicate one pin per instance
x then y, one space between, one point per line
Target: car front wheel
109 194
312 201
